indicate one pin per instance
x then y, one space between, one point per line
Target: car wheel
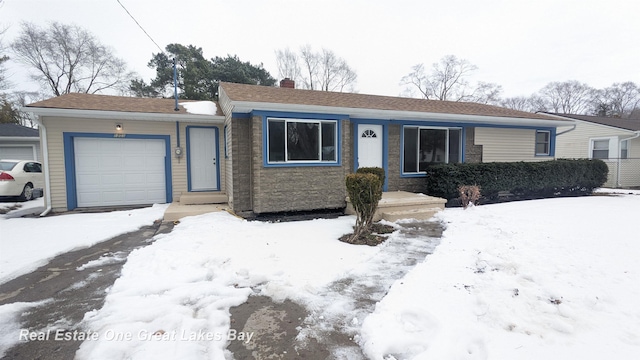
27 193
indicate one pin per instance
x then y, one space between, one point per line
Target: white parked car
18 178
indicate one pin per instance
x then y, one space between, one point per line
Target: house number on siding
119 135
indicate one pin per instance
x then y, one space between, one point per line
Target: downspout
45 158
637 134
573 127
566 131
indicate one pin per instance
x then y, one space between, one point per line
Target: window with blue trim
543 142
301 140
424 146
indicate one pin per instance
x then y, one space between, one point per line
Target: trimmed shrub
562 177
365 190
373 170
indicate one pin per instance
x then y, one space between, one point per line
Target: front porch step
176 211
417 214
203 198
404 205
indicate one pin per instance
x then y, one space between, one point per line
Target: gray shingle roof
18 131
627 124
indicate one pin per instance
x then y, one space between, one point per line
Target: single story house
614 140
268 149
19 142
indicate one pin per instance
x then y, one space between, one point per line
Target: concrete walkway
276 326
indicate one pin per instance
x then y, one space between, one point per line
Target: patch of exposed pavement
65 289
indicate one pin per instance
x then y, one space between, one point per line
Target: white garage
119 171
18 152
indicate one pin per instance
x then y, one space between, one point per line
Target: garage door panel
110 146
154 181
17 152
132 179
134 147
88 162
153 162
113 197
89 198
88 180
136 195
112 172
111 162
111 180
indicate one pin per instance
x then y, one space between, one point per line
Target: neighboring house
614 140
19 142
268 149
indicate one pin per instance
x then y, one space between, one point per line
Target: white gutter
45 161
19 138
121 115
248 106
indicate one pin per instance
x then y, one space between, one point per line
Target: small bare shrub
469 195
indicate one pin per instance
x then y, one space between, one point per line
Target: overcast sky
519 44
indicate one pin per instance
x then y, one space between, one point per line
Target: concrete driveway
68 290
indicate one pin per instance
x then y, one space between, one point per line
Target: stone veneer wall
241 164
473 152
296 188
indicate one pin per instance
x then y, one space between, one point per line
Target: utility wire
140 26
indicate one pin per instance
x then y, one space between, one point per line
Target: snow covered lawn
28 243
546 279
550 279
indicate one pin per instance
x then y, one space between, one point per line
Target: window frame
447 149
286 161
624 148
547 143
592 143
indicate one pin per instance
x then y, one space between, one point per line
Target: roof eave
248 106
19 138
593 123
121 115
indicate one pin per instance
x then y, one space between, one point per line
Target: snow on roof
200 107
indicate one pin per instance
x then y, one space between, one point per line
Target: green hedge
522 179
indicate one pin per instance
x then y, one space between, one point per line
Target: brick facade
261 189
472 152
241 164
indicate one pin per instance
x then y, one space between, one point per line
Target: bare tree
322 70
448 80
4 83
486 93
619 99
520 103
67 58
288 64
532 103
569 97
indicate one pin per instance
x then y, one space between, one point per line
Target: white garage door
119 171
17 152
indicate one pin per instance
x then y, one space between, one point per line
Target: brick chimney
287 83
